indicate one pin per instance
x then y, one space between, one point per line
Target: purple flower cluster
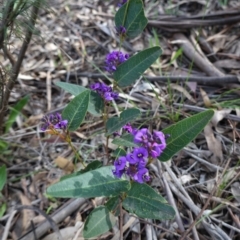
154 143
114 59
105 91
53 121
134 163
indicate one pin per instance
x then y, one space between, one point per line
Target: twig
8 225
207 202
173 204
125 227
208 164
204 80
51 222
67 209
172 201
195 235
178 23
191 52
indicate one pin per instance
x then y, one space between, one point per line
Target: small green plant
125 183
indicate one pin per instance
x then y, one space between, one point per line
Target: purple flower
120 165
131 159
141 136
132 170
121 30
142 176
114 59
118 173
140 154
160 138
128 128
61 125
154 149
105 91
95 86
110 96
53 121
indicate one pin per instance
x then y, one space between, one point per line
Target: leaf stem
105 118
68 140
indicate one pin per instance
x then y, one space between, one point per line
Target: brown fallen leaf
206 100
24 219
64 164
214 145
217 117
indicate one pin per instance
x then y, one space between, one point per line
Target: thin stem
17 65
105 118
121 221
68 140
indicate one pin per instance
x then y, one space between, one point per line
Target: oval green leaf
96 104
143 201
129 71
76 110
96 183
126 116
99 221
131 16
183 132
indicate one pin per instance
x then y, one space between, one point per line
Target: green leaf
125 141
119 152
113 205
96 103
76 110
3 209
131 16
91 166
96 183
15 111
99 221
143 201
184 132
135 66
3 177
127 116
